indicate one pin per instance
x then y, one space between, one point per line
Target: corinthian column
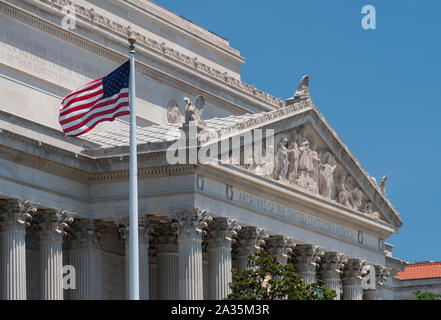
352 279
307 257
189 224
153 274
15 216
52 225
251 240
167 260
222 231
123 229
280 247
331 267
85 255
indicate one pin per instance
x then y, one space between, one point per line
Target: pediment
309 156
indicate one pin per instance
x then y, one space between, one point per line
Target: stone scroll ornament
17 211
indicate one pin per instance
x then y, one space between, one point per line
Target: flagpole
133 181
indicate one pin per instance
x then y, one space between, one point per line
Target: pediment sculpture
302 160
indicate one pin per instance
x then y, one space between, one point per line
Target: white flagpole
133 181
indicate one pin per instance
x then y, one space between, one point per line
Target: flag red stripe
82 96
119 114
90 107
87 102
81 89
95 115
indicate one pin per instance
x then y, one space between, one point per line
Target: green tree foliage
419 295
267 279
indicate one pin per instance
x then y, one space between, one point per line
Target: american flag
101 100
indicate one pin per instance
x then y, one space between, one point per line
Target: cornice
274 190
90 18
89 177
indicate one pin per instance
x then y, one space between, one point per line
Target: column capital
382 274
53 223
15 212
308 254
222 232
281 247
332 265
252 238
85 233
163 233
354 271
190 222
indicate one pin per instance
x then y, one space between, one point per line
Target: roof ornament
193 112
383 185
302 92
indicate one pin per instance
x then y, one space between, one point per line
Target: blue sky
379 89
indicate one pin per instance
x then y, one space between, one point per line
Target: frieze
89 15
294 216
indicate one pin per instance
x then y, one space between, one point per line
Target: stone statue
313 181
383 185
293 157
344 196
193 112
326 178
281 160
357 198
266 168
173 113
302 92
306 165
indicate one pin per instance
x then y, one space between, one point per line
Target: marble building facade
64 201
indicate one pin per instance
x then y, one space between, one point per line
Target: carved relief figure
293 157
343 195
281 161
357 198
306 165
326 178
173 112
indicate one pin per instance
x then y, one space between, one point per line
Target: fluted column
205 270
15 216
153 273
221 233
85 255
167 261
352 279
307 257
280 247
52 224
189 224
251 240
144 227
331 268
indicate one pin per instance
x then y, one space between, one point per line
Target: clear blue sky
379 89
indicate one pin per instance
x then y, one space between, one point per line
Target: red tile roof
421 270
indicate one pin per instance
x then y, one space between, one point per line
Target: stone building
64 200
420 276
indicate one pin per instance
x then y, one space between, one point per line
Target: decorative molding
89 16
